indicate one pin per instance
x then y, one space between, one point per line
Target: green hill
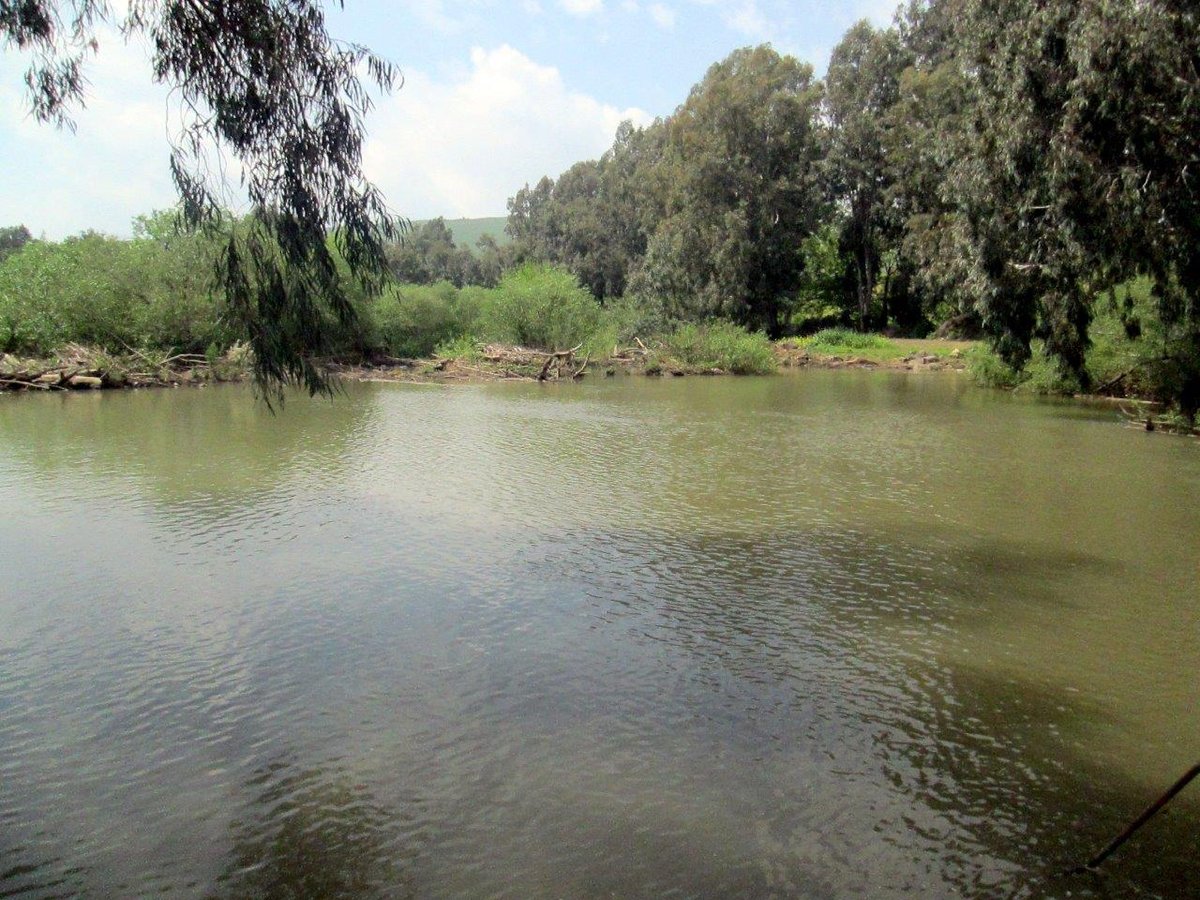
467 231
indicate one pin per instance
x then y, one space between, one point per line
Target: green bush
111 294
1041 374
834 339
469 308
411 320
462 347
722 345
540 306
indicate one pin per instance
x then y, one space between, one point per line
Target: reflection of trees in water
219 444
22 874
314 833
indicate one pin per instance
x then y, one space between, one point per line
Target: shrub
723 345
411 320
469 308
110 294
832 339
1041 374
541 306
462 347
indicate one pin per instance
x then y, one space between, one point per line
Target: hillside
467 231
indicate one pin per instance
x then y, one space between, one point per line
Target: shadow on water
24 874
1000 753
991 766
314 832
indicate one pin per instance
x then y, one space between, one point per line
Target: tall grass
724 346
832 340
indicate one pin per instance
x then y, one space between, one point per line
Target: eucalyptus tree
925 133
741 192
429 254
1083 172
861 87
12 239
596 217
264 82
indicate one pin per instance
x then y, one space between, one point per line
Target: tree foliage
12 239
261 81
742 191
861 86
1081 172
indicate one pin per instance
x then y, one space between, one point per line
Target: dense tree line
1000 166
1014 168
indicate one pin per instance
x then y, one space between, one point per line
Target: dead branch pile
80 368
519 363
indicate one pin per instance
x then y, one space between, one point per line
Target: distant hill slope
467 231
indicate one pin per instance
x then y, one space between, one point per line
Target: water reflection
314 833
837 640
199 457
796 637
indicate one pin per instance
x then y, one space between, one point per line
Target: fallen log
36 385
561 356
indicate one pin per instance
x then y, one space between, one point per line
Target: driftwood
1113 382
630 352
60 379
562 357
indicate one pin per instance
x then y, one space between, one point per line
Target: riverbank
494 362
82 368
78 368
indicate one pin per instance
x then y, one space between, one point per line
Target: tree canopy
263 82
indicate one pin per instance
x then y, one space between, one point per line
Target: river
829 634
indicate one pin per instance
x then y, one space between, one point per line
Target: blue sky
496 94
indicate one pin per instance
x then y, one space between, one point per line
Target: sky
495 95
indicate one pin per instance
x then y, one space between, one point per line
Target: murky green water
829 635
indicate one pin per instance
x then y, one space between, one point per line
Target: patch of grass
724 346
845 339
462 347
844 342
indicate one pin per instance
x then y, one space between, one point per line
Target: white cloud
113 167
663 16
582 7
452 144
463 148
746 18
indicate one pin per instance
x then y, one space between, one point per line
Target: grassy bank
841 347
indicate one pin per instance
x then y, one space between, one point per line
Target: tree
596 218
429 255
926 132
742 193
264 81
1083 172
12 239
860 87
